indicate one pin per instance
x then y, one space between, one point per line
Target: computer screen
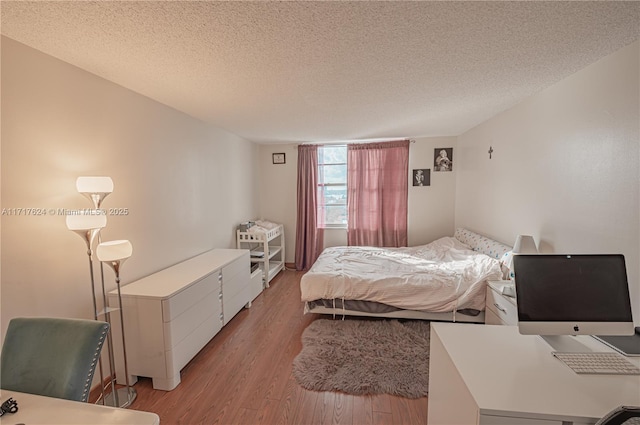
581 294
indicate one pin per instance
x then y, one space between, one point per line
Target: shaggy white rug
365 357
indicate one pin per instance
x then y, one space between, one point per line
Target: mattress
442 276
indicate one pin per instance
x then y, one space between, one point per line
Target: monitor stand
566 344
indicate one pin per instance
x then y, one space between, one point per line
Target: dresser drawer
232 305
185 299
491 318
504 309
235 277
197 338
181 326
241 265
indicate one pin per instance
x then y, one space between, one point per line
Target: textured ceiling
320 71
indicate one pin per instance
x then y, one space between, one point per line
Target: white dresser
170 315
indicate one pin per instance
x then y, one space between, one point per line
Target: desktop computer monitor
572 294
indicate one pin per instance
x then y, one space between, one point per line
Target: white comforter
442 276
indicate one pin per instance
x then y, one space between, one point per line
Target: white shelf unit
267 249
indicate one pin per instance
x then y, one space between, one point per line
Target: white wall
186 185
431 209
278 192
565 167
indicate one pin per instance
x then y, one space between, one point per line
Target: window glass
332 185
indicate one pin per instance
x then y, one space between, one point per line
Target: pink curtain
377 185
309 234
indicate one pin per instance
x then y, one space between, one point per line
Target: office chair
623 415
51 356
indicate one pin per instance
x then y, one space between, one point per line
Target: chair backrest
623 415
51 356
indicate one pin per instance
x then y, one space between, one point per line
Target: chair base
121 398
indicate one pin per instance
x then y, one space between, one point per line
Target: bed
443 280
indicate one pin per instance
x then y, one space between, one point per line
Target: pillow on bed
482 244
505 265
450 242
444 243
488 247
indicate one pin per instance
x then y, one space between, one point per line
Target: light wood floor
243 376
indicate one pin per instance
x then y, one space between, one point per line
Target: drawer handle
500 308
220 296
221 316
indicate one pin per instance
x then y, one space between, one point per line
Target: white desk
35 409
487 374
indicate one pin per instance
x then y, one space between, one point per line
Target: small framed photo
422 177
443 159
278 158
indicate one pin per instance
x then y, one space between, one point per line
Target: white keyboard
598 363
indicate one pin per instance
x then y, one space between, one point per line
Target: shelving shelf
266 248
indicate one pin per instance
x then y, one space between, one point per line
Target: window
332 186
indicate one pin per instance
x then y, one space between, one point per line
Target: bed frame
476 241
399 314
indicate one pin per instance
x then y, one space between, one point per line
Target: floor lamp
96 189
88 226
114 253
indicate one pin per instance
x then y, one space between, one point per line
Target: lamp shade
95 188
87 226
525 244
114 251
85 222
94 184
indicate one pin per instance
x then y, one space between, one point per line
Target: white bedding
442 276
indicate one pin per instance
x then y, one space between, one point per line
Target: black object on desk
627 345
9 406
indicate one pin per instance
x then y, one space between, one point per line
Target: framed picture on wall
422 177
443 159
278 158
